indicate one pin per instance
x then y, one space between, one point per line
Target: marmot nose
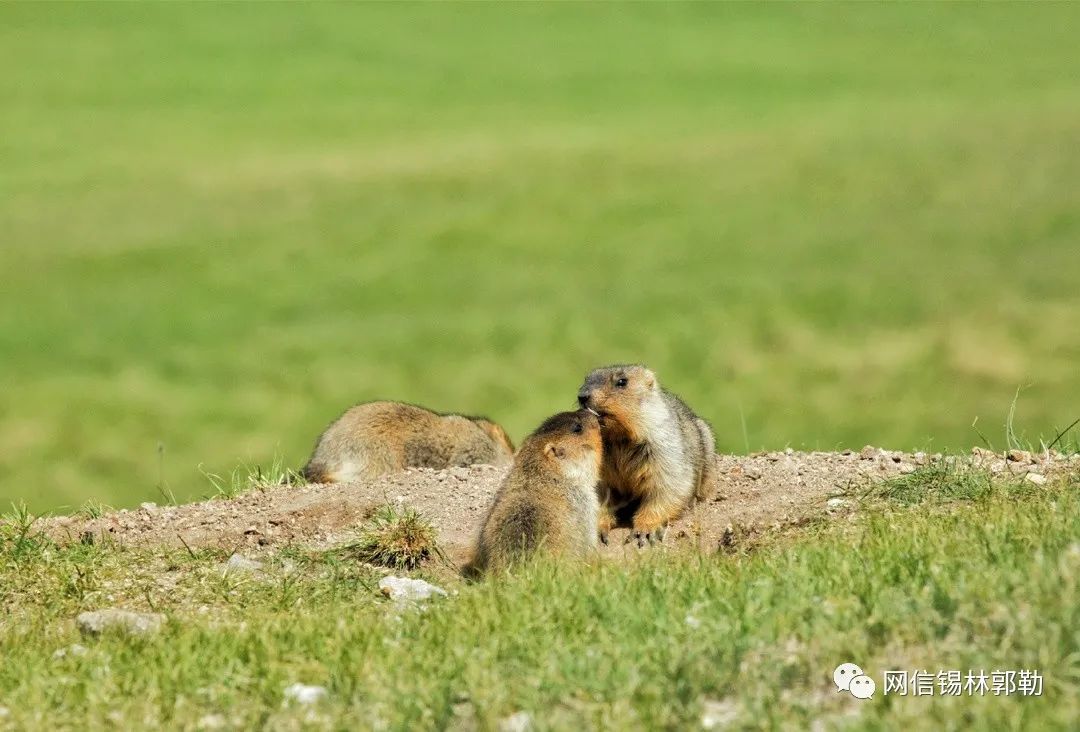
583 398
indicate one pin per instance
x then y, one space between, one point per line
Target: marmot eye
576 429
621 382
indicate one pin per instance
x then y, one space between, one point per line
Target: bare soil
760 491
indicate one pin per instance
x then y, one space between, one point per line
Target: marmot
548 500
658 454
378 438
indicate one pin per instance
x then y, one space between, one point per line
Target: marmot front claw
656 536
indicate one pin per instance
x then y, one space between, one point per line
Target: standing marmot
658 454
377 438
548 500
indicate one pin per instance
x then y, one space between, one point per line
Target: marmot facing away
658 454
548 500
378 438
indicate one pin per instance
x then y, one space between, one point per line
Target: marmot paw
655 536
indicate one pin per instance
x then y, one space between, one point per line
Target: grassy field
823 225
938 571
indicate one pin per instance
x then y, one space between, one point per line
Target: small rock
96 622
718 714
1020 456
211 721
239 564
304 694
837 503
753 472
404 589
1036 478
920 458
907 469
74 649
728 537
148 506
868 453
519 722
789 451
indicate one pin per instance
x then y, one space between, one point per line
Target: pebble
304 694
718 714
211 721
835 503
1036 478
239 564
907 469
404 589
74 649
96 622
148 506
868 453
519 722
1020 456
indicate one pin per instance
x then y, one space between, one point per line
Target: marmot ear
650 379
553 450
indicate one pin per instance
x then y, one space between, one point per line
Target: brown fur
378 438
658 454
548 500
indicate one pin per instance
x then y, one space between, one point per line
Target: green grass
223 224
984 582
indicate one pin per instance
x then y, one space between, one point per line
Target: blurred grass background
824 226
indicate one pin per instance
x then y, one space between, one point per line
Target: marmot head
569 443
497 434
615 394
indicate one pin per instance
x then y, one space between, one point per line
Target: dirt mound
761 490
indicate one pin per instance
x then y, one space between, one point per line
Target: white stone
404 589
98 621
304 694
74 649
239 564
1036 478
718 714
518 722
211 721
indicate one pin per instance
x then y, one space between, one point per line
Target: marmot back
658 454
548 500
378 438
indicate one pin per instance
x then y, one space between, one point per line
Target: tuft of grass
943 483
18 538
396 538
94 508
246 477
